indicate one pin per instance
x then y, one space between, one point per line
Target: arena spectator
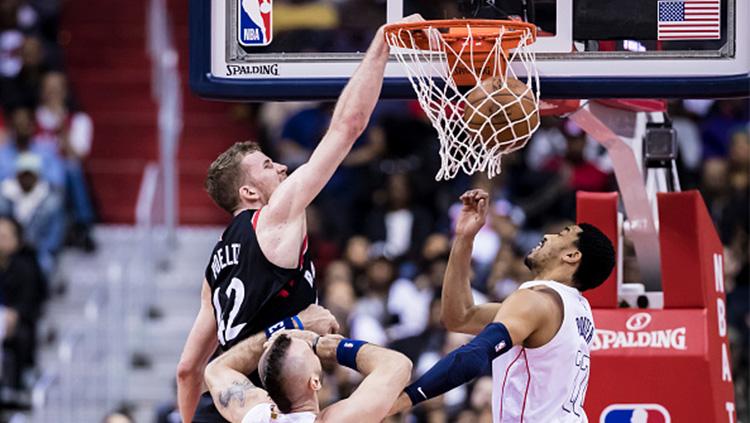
339 295
398 226
726 117
23 291
25 86
3 129
22 139
370 316
69 133
357 256
689 145
37 206
11 41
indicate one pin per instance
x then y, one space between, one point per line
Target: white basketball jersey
267 413
547 384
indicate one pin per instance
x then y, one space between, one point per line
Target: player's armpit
281 224
523 313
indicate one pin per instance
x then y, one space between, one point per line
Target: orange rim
458 30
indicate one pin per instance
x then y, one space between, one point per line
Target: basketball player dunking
260 272
537 340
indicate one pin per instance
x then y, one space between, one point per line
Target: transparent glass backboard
305 49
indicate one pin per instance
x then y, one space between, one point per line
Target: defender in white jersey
537 340
547 383
289 365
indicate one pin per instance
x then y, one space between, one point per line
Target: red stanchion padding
689 243
692 259
600 210
668 365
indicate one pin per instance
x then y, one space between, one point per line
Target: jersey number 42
226 329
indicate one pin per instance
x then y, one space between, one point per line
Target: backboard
258 50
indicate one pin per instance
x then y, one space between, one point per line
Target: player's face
304 351
305 368
552 247
263 174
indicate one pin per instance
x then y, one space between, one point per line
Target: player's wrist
326 346
464 238
288 323
346 352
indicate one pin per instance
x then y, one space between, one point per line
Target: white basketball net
462 146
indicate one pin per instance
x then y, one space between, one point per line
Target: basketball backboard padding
321 75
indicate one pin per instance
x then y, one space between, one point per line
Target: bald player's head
290 372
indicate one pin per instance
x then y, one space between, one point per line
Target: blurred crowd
380 232
381 229
44 200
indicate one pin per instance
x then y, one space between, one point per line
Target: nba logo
254 22
635 413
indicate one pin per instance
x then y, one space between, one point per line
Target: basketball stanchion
670 364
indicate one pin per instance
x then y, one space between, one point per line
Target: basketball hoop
465 73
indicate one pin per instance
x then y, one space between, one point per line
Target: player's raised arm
350 118
458 311
281 223
200 344
386 373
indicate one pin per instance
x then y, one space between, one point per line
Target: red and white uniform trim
548 383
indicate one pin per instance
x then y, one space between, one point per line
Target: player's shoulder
536 299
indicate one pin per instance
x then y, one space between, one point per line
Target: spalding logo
638 321
636 337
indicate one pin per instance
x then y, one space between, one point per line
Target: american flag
689 20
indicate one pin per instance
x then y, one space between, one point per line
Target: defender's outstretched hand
473 214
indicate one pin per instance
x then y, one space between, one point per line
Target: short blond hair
225 176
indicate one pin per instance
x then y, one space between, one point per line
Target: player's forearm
372 358
350 118
462 365
188 393
360 356
199 346
358 99
457 300
243 357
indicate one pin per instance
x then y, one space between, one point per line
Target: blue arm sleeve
461 365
